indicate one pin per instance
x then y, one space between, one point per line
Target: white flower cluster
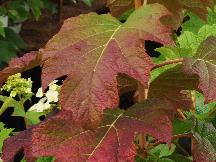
51 96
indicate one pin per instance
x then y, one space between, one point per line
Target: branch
181 114
137 3
145 2
168 63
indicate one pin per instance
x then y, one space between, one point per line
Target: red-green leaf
118 7
199 7
18 65
113 140
172 85
92 50
204 65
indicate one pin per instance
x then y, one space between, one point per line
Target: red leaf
203 65
92 50
19 65
113 140
198 7
172 85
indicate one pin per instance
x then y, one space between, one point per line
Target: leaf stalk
176 61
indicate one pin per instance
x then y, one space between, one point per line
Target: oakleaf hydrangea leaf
189 40
18 65
92 50
113 140
198 7
173 85
203 64
205 144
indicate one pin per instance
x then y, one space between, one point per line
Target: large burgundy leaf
199 7
92 50
112 141
173 85
18 65
203 64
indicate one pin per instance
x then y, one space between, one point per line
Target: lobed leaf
173 85
113 140
93 55
205 146
18 65
198 7
203 64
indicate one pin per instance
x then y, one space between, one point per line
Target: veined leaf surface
18 65
113 140
203 64
92 50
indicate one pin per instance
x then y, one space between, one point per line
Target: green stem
5 105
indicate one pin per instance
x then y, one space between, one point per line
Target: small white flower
53 86
1 159
52 96
53 82
46 105
39 93
40 106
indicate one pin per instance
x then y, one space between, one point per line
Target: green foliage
4 134
88 2
17 11
20 90
205 134
192 41
42 159
182 127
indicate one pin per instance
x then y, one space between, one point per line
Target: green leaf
33 117
4 134
189 40
163 150
17 10
42 159
15 39
46 159
125 15
194 24
171 53
7 51
52 7
181 127
179 158
202 109
212 16
2 32
88 2
36 6
205 146
165 160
